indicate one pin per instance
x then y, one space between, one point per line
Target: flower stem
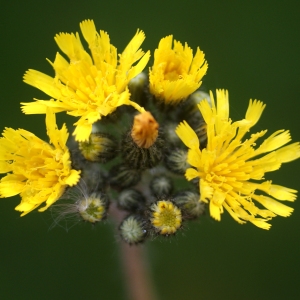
135 268
136 273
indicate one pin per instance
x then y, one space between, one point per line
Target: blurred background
252 48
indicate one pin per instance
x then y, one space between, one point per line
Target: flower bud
142 147
137 88
161 186
123 176
176 161
190 204
133 230
165 217
93 208
131 199
144 130
100 147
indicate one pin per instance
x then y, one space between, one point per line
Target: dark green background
253 51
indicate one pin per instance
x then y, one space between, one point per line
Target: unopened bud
190 204
131 199
93 207
144 130
99 147
161 186
133 230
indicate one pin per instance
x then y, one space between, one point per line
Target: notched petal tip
187 135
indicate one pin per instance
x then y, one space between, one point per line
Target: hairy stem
135 267
136 273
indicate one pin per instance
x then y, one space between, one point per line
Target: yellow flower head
39 172
87 86
230 169
166 217
176 73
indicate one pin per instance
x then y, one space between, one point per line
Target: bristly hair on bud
161 186
133 229
141 158
80 203
123 176
131 200
190 205
93 208
144 131
176 161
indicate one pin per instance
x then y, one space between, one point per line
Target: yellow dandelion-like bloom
88 87
166 217
38 171
176 73
230 169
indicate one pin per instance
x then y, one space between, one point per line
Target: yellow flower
38 171
231 171
176 73
88 87
166 217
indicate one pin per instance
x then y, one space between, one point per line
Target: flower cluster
152 146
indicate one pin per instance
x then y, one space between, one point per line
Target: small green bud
137 88
92 177
190 204
131 200
170 134
123 176
133 229
190 106
161 186
100 147
176 161
93 208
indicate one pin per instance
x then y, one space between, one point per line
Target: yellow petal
73 178
282 193
275 141
255 109
215 211
288 153
88 30
191 174
10 188
275 206
261 223
40 107
223 105
42 82
187 135
25 207
206 190
82 131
